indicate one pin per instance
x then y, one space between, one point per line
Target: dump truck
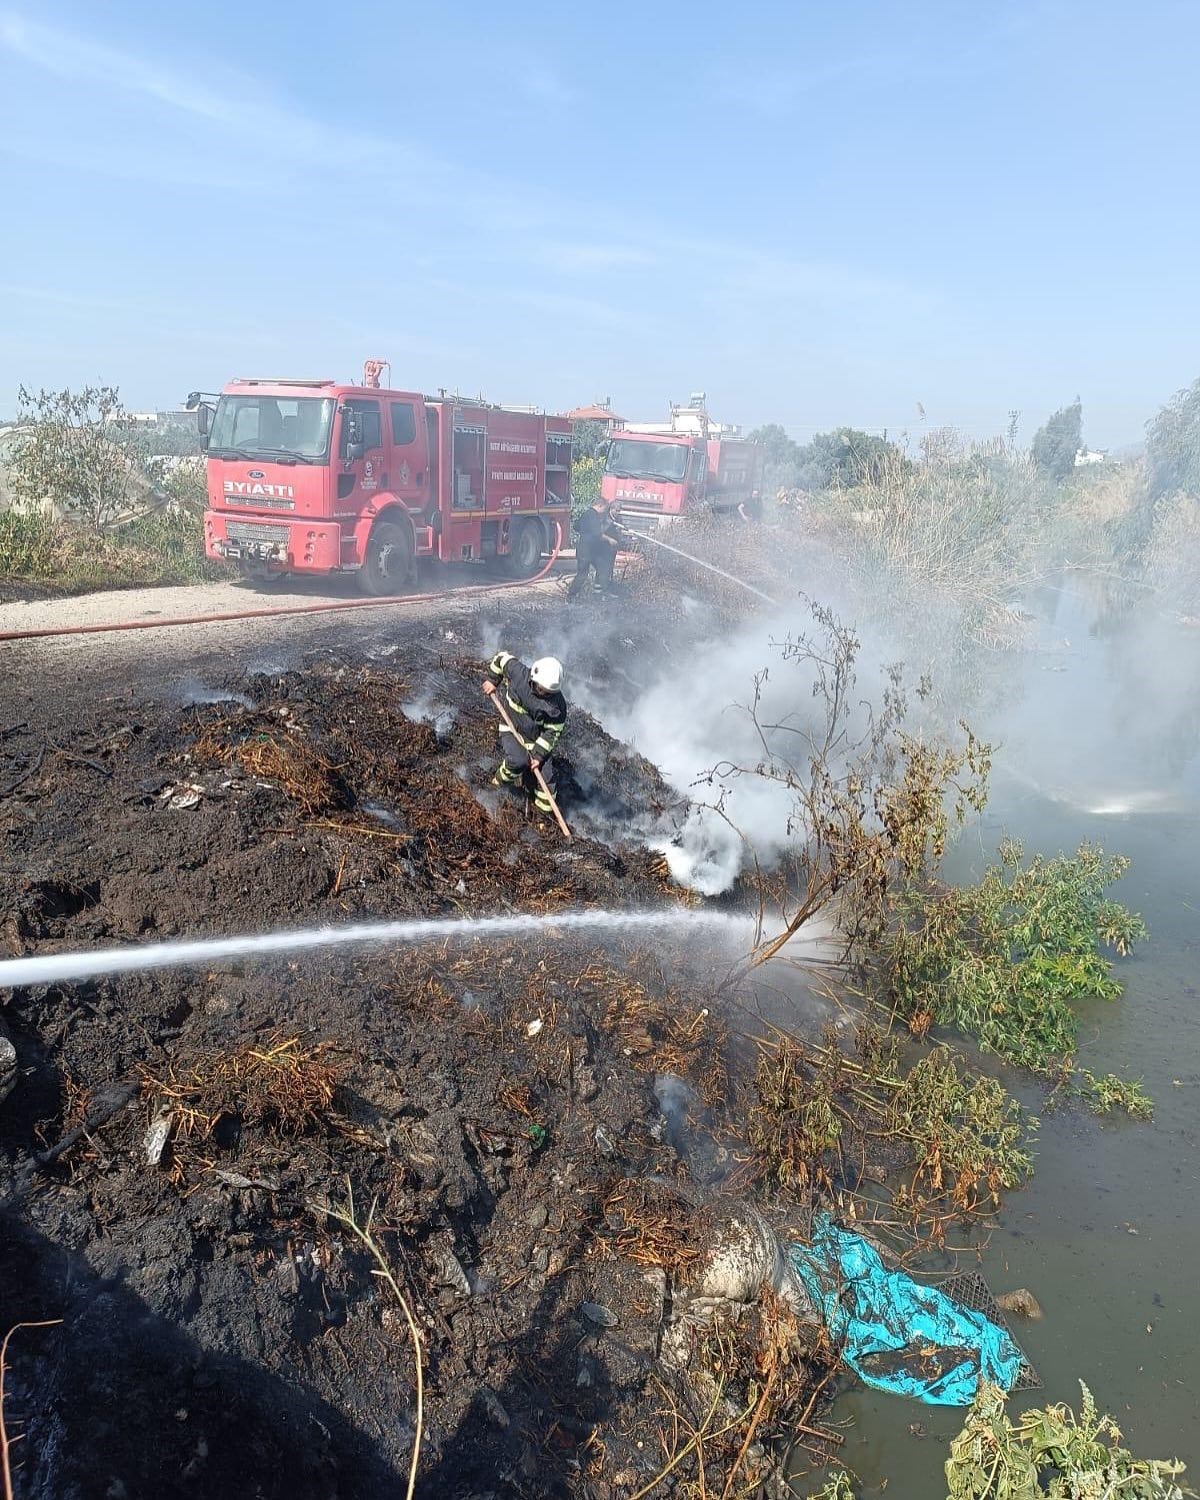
655 472
313 476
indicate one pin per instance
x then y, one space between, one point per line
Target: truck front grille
259 502
256 531
641 520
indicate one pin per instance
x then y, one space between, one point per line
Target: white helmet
547 674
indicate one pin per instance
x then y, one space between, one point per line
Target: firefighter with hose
598 536
532 704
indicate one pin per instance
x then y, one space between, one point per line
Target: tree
585 483
1057 442
780 454
1173 445
587 437
81 454
778 449
848 457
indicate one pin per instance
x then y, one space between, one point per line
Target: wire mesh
970 1290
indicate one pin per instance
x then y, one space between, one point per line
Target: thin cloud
73 56
588 259
775 92
541 85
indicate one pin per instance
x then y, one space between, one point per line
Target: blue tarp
896 1334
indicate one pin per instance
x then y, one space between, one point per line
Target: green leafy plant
1108 1092
27 543
1050 1451
1004 960
837 1488
586 474
1047 1453
967 1134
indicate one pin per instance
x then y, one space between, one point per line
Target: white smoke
695 724
425 709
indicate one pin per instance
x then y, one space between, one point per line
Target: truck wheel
388 565
525 552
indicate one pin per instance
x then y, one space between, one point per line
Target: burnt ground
490 1110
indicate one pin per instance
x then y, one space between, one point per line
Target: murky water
1108 1232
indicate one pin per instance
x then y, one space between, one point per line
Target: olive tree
80 453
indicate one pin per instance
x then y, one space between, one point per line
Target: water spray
54 968
711 567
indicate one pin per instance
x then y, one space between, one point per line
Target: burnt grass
220 1334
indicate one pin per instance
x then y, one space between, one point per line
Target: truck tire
388 565
525 550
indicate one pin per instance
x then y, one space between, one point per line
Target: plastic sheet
895 1333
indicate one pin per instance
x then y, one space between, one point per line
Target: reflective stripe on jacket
539 721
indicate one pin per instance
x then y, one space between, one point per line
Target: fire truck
657 472
311 476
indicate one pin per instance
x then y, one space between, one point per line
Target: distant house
1088 456
600 411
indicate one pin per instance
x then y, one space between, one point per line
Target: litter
895 1333
157 1137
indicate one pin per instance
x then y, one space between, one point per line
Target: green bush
28 540
164 546
1045 1452
586 474
1005 960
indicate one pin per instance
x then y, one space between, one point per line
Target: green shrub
1005 960
28 540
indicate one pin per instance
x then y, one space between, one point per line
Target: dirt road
184 657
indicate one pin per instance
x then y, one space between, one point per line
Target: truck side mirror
602 448
353 447
203 419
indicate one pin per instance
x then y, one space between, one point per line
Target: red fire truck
655 477
309 476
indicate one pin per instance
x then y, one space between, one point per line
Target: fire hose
326 607
700 563
537 770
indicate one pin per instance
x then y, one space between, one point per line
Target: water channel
1100 742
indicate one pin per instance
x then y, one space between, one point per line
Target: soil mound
184 1148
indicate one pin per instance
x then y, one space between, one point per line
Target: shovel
537 770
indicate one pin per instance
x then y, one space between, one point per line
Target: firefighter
598 536
751 510
535 704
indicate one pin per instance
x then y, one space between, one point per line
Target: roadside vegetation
99 500
937 519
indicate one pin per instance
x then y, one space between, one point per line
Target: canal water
1099 741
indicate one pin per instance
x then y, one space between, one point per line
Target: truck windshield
279 427
633 460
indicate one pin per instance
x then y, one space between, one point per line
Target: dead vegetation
278 757
824 1122
392 800
281 1084
494 1101
654 1227
8 1441
660 1033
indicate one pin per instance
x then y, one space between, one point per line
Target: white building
1088 456
691 420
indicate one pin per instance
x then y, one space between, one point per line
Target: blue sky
819 214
